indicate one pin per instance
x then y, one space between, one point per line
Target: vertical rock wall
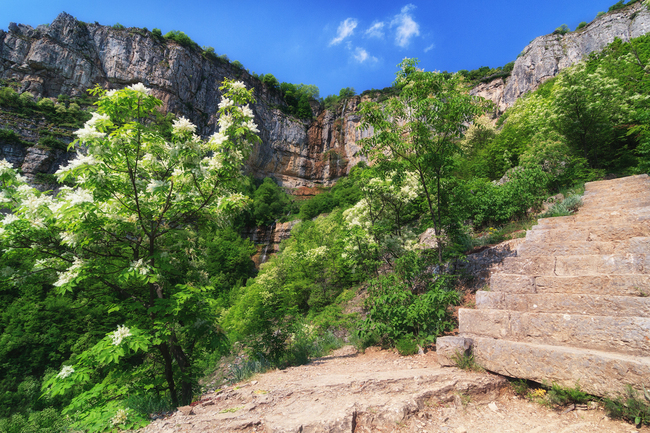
68 57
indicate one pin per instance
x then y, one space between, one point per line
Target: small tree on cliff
421 128
131 230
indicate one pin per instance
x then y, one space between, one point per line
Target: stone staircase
573 306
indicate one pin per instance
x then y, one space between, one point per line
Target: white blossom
216 140
87 133
32 202
182 126
79 196
237 85
247 112
120 417
213 163
69 238
70 274
225 122
77 162
178 173
139 266
97 118
25 190
6 167
155 184
225 103
119 335
66 371
10 218
315 254
252 126
139 87
41 264
110 93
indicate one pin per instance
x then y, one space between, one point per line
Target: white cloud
429 48
346 28
361 55
406 26
376 30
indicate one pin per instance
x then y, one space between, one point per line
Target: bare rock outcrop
69 56
493 91
267 239
547 55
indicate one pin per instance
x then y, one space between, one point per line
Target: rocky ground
378 391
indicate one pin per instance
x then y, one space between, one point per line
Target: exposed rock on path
375 391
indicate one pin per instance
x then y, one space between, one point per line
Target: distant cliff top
547 55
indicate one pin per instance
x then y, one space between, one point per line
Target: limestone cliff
69 56
547 55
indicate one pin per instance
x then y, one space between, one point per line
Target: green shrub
52 143
270 203
246 367
520 387
561 396
270 80
600 14
237 64
8 97
406 346
181 38
26 99
48 420
209 53
616 6
562 30
118 26
566 207
395 312
581 25
466 361
347 92
46 105
9 136
630 407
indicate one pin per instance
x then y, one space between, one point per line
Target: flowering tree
420 128
132 225
376 223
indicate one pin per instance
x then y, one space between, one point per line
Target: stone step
612 211
577 265
606 285
629 188
599 184
625 188
606 208
637 245
579 221
598 373
610 232
630 335
563 303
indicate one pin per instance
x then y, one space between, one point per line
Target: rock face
547 55
493 91
571 306
69 56
267 239
27 155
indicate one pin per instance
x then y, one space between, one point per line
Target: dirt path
378 391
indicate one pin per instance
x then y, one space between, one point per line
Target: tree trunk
169 373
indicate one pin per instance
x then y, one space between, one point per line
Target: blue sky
334 44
